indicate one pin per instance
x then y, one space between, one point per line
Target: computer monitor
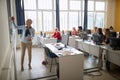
113 34
83 35
115 43
65 39
88 31
41 33
69 33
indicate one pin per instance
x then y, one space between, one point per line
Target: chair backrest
47 51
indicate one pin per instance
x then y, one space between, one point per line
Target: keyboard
59 47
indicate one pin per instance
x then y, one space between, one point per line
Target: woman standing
26 41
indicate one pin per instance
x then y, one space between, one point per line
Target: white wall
110 12
4 32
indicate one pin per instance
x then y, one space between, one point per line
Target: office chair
50 55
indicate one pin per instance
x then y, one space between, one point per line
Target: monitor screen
113 34
83 35
69 33
88 31
115 43
65 39
41 33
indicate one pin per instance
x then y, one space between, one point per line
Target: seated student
57 35
106 36
62 32
74 32
98 37
111 29
79 30
95 30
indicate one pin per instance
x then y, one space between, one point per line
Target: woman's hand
29 38
12 19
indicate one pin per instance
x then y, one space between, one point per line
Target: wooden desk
70 62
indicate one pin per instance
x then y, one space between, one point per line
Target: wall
4 33
6 48
117 16
110 13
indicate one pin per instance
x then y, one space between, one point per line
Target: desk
70 62
112 56
44 40
72 40
90 48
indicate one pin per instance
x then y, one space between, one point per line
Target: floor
40 71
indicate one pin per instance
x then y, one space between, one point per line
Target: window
40 21
100 6
70 14
73 20
63 4
44 4
43 13
96 13
31 15
80 18
30 4
47 21
63 20
90 20
75 5
90 5
100 19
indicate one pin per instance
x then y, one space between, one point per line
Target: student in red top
57 35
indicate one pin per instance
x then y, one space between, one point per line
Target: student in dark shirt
79 31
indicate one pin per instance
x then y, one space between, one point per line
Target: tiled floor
41 71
